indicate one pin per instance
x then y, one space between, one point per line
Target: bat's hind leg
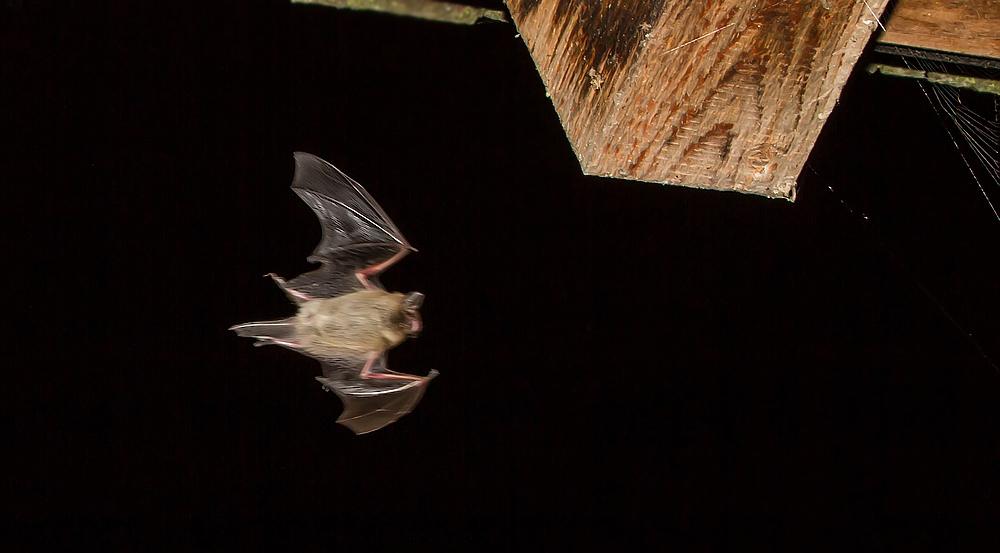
366 372
293 294
279 333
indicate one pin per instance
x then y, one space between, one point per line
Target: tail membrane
280 333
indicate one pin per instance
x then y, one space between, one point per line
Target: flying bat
345 318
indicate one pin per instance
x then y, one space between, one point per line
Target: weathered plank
970 27
721 94
979 84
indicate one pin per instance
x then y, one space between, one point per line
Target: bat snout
411 305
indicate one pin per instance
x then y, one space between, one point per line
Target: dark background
622 363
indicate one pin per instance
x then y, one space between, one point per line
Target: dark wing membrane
371 403
357 234
334 278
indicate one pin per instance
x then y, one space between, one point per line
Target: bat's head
411 313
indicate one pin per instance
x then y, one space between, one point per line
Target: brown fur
353 325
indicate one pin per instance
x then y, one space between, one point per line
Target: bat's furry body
345 318
353 324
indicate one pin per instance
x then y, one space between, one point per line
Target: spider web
971 120
960 112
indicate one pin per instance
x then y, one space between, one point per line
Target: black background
621 362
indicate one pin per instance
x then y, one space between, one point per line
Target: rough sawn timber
970 27
721 94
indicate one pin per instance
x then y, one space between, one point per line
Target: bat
346 319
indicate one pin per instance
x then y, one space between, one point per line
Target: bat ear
413 300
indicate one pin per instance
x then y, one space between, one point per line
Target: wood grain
970 27
719 94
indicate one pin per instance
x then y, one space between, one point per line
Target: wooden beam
979 84
721 94
433 10
970 27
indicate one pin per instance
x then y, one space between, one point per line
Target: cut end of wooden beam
717 94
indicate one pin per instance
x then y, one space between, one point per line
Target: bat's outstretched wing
375 400
359 240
